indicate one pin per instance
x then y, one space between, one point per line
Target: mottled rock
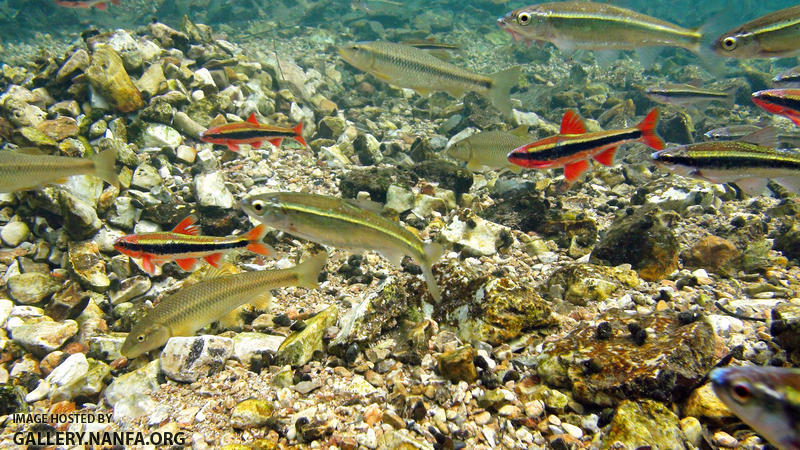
32 287
248 346
145 177
87 263
457 365
108 77
60 128
299 346
160 135
475 235
670 359
788 241
644 240
129 289
189 358
77 376
20 113
44 337
14 233
374 180
142 381
251 413
331 127
641 424
399 199
584 283
703 402
124 213
80 218
712 253
127 48
368 149
211 191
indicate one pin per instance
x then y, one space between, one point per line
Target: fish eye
523 18
741 391
140 338
258 206
729 43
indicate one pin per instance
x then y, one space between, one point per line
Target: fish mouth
504 25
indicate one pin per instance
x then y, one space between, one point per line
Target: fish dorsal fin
222 270
767 137
252 119
520 131
187 226
363 203
571 123
217 121
30 151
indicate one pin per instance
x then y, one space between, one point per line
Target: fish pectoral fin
214 259
790 183
606 57
394 256
422 91
574 170
767 136
752 186
261 301
186 264
147 265
606 157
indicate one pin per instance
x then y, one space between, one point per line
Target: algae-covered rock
712 253
108 77
476 236
374 180
584 283
643 423
90 268
32 287
643 239
788 241
654 357
299 347
251 413
457 365
142 381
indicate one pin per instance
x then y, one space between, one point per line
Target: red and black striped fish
784 102
251 132
102 5
185 246
573 147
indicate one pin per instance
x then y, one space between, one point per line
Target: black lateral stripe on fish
249 134
185 247
559 150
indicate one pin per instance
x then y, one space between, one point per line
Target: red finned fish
102 5
784 102
573 147
251 132
184 245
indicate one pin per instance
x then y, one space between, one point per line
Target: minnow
20 170
784 102
766 398
185 245
251 132
414 68
774 35
343 224
489 149
102 5
573 146
192 308
686 95
786 139
749 163
789 78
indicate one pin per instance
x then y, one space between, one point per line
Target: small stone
693 430
248 346
129 289
124 214
41 391
44 337
394 420
640 423
77 62
724 439
153 81
713 253
75 381
142 381
457 365
572 430
60 128
399 199
108 77
32 287
161 136
305 387
211 191
90 267
251 413
80 217
189 358
186 154
299 347
703 402
477 236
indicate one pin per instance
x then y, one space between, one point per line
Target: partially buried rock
641 423
476 236
449 175
251 413
457 365
645 240
189 358
299 347
249 346
86 262
80 218
584 283
44 337
108 77
374 180
33 287
142 381
211 191
653 357
785 329
712 253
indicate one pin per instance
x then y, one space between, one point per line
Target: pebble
724 439
572 430
189 358
14 233
44 337
251 413
212 192
32 287
160 135
41 391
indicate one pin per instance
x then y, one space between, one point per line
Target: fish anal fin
186 264
233 147
276 142
393 255
213 259
606 57
256 144
571 123
574 170
520 131
262 300
606 157
252 119
752 186
187 226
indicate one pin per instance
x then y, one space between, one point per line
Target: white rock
41 391
188 358
44 337
479 239
14 233
160 135
133 407
5 310
723 325
69 371
145 177
186 154
123 213
399 199
572 430
142 381
333 154
207 159
212 192
250 345
204 79
425 205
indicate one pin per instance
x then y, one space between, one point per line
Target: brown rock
712 253
60 128
457 365
107 76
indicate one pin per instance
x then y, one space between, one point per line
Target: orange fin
252 119
101 6
298 134
256 144
606 157
187 226
571 123
233 147
214 259
260 248
256 246
257 233
186 264
573 171
648 128
147 265
276 142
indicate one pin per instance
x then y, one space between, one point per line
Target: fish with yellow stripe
26 168
185 245
573 147
251 132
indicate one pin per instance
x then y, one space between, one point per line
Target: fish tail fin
298 134
308 271
648 128
433 251
500 93
104 167
256 246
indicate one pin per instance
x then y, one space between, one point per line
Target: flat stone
299 347
160 135
211 191
477 236
44 337
145 177
32 287
188 358
251 413
641 423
